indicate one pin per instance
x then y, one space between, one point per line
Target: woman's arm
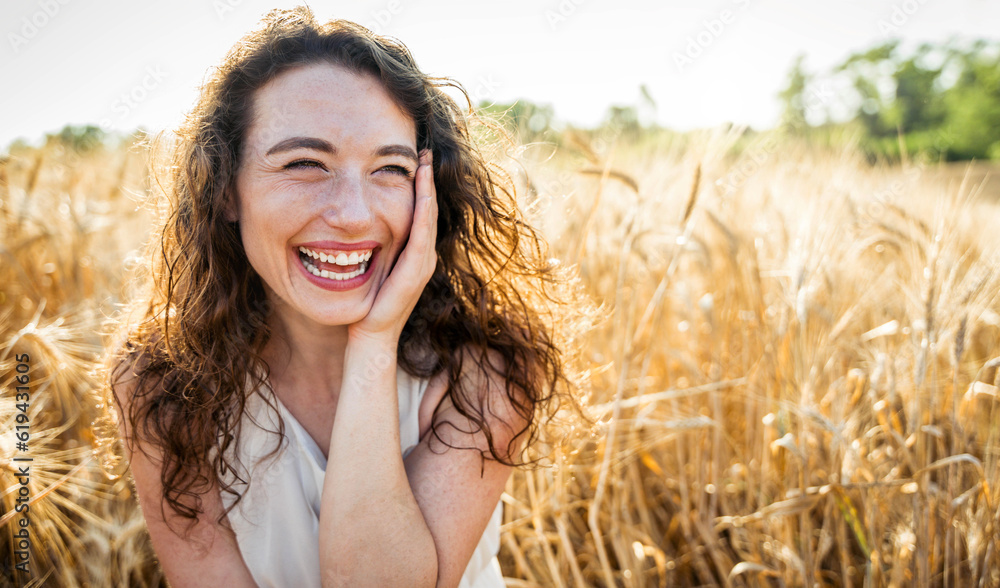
383 522
372 531
456 501
386 522
209 555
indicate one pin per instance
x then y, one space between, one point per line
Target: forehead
330 102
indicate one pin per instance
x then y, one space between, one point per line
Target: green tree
78 138
793 100
864 69
527 120
623 120
972 105
943 101
917 103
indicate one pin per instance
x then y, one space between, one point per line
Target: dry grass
794 384
68 223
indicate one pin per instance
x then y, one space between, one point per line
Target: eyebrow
327 147
401 150
302 142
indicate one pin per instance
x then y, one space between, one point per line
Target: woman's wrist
372 342
369 358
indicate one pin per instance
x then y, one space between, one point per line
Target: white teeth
354 258
338 276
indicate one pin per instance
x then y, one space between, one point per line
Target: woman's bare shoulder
483 387
199 552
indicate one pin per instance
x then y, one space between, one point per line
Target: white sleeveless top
277 521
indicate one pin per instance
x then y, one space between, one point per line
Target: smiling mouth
337 266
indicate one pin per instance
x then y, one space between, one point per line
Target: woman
340 354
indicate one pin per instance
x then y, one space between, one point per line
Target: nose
347 207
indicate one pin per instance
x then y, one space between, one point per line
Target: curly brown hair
191 343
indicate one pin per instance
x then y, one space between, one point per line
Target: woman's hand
398 295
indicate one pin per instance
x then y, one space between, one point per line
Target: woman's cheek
396 207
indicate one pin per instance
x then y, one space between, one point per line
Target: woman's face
325 191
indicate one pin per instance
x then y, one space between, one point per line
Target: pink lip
337 285
338 246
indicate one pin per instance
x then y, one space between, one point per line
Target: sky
122 64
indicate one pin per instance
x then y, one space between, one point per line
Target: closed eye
304 163
398 169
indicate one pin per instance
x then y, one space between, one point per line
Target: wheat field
793 381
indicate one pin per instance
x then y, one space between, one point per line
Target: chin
335 317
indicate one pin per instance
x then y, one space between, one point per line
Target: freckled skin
349 196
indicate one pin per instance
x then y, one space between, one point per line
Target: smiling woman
351 177
340 353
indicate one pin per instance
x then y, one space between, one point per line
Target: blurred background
920 67
787 213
